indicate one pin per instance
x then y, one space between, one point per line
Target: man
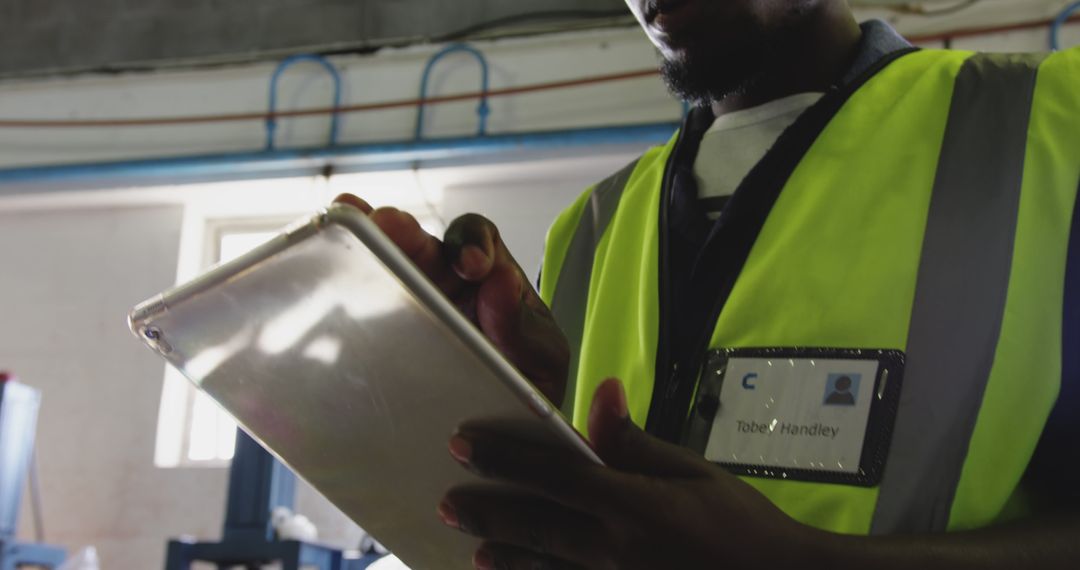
907 211
841 394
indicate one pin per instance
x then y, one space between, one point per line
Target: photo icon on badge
842 389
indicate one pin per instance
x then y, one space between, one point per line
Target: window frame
211 231
215 230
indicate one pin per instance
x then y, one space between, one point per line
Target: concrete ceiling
40 37
47 36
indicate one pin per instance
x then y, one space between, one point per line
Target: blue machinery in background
18 419
258 484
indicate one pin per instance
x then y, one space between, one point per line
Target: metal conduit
272 162
313 161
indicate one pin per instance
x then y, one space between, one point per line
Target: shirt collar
879 39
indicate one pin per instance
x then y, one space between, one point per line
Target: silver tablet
335 352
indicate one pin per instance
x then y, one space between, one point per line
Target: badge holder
807 369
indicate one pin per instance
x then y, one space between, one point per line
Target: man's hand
654 505
475 270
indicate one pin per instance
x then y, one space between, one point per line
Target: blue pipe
271 120
1059 22
312 161
482 110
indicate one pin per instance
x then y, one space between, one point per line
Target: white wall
74 263
69 277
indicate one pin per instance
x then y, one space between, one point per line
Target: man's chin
703 81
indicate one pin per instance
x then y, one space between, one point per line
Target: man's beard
715 69
706 79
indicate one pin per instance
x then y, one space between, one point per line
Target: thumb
622 445
473 247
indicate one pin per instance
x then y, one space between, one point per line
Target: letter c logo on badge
746 381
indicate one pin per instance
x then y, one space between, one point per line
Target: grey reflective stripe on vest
572 288
960 293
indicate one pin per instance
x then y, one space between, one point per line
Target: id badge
821 415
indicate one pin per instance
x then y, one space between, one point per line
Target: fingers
477 272
508 310
560 475
528 336
497 556
624 446
404 230
473 246
424 249
354 201
540 527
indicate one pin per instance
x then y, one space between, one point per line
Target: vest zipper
666 371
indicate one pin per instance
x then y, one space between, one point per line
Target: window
193 430
212 432
231 219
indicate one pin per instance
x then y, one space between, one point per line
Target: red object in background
5 376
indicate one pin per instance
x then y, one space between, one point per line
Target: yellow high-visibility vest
930 215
